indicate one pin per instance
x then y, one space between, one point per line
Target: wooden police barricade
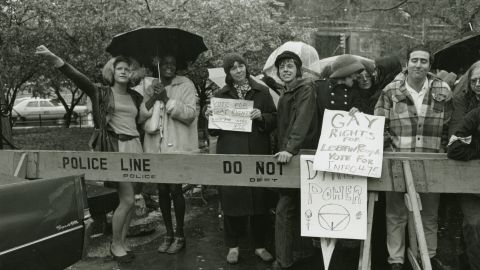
401 172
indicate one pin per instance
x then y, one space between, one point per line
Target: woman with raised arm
115 109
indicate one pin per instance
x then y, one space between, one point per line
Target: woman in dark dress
245 205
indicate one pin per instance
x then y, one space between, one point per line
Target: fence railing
42 121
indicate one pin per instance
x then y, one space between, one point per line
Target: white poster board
351 144
333 205
231 114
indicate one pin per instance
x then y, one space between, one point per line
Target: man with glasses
417 107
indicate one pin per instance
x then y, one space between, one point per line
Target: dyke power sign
334 182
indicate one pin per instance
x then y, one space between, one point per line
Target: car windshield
18 100
46 104
55 102
32 104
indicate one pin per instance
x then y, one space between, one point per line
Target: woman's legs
126 226
165 207
259 225
120 216
179 207
234 227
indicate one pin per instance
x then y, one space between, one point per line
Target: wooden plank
20 170
417 218
413 260
366 246
412 236
7 159
431 172
32 166
397 176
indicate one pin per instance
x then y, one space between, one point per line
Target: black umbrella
144 43
459 54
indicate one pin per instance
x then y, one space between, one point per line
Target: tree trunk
6 139
68 118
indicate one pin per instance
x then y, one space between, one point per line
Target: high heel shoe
127 258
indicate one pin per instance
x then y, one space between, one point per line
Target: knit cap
345 65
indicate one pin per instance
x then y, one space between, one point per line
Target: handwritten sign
231 114
333 205
351 144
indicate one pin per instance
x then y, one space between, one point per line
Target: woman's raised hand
42 50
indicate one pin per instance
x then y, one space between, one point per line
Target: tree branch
474 14
148 6
386 9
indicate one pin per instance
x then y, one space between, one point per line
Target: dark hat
345 65
230 59
288 55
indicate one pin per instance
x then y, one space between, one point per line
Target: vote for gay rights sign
350 144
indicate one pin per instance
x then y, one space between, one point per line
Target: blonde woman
115 109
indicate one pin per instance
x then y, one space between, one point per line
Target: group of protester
422 115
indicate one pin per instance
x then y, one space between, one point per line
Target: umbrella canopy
217 75
459 54
144 43
307 54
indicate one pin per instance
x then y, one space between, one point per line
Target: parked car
43 223
39 108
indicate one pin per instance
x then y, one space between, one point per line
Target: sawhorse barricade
401 172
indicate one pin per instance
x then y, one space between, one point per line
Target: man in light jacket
417 107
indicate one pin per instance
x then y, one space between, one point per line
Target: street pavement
205 249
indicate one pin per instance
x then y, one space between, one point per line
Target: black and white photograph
240 134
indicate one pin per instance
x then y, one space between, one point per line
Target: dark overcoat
243 201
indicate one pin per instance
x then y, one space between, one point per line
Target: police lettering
88 163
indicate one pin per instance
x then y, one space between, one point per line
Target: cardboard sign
333 205
351 144
231 114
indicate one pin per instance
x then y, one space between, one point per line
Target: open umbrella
307 54
459 54
144 43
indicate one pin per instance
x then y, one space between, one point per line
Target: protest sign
333 205
231 114
351 144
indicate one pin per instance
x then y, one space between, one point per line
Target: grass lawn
59 138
